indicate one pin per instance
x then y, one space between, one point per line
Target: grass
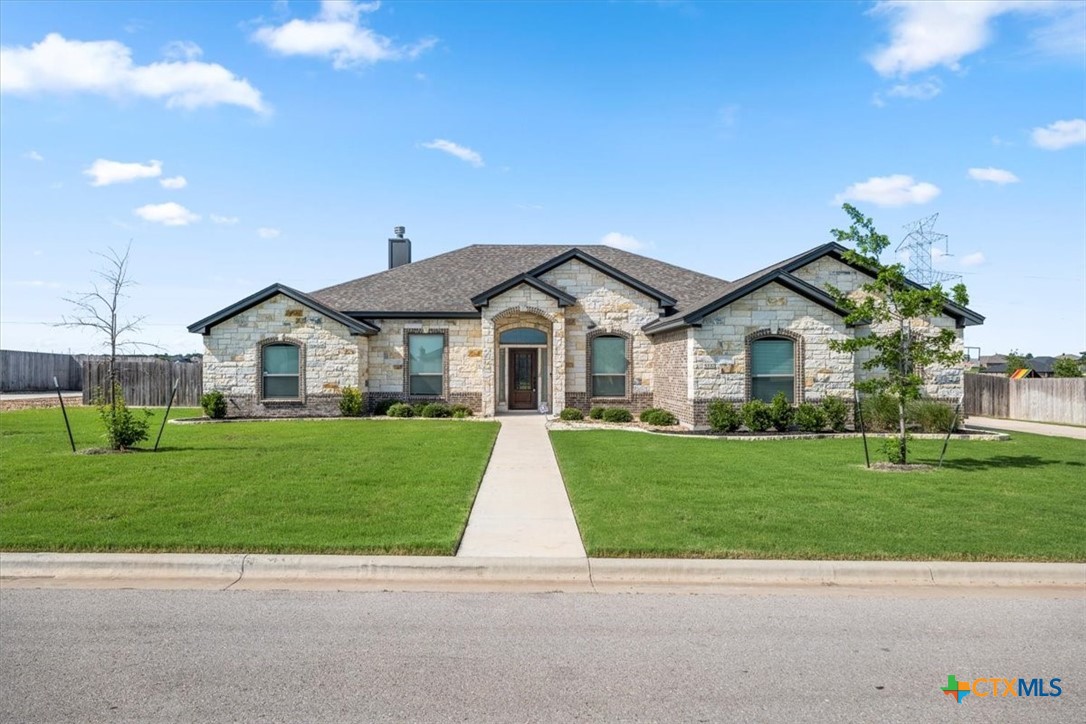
647 496
338 486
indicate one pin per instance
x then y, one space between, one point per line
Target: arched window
280 366
609 366
522 335
772 368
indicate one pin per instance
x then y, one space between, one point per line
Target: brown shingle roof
447 282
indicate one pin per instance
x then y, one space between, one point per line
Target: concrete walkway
522 510
1036 428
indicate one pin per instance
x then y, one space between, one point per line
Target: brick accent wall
671 375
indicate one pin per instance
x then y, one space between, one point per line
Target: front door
522 379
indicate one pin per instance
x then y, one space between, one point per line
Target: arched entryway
523 346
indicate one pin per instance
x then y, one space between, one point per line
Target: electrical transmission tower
918 242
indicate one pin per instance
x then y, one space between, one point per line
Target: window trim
627 392
797 361
284 342
407 334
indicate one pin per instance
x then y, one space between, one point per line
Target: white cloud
182 50
923 91
105 67
337 33
623 241
104 172
224 220
974 259
174 182
34 156
462 152
994 175
266 232
928 34
895 190
1060 134
168 214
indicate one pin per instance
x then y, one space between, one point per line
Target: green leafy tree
1067 367
1016 361
897 311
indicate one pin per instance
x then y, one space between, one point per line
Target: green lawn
646 495
338 486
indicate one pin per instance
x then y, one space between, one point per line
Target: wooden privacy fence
147 381
1054 399
34 371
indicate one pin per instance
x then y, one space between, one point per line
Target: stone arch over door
523 318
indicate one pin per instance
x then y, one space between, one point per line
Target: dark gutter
412 315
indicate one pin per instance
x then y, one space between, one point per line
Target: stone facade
604 305
330 358
681 370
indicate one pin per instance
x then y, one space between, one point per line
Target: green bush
571 413
780 412
659 417
436 409
461 411
596 413
757 416
880 413
400 409
836 412
810 418
214 404
351 404
723 417
461 414
932 416
418 407
617 414
123 428
381 406
895 448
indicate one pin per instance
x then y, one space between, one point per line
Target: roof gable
563 299
575 253
354 325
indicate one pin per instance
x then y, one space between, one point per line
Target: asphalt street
814 655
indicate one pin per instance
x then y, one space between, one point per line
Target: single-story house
543 327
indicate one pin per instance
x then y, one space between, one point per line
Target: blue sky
239 144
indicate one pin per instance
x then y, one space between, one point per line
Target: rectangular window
425 364
772 368
608 367
280 371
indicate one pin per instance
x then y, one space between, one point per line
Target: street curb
305 572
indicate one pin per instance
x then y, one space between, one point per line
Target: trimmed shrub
836 412
461 411
381 406
418 407
659 417
617 414
723 417
214 404
596 413
123 428
757 416
571 413
351 404
461 414
880 413
932 416
436 409
810 418
400 409
780 412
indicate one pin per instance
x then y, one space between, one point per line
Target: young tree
897 313
1016 361
1067 367
99 311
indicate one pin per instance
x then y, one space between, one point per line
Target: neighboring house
517 327
1038 366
